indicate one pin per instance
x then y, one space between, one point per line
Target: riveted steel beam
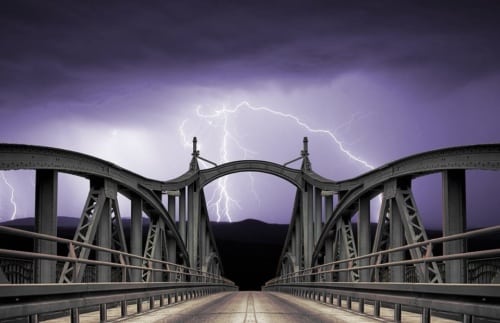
415 232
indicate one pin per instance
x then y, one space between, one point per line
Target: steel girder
86 231
344 247
415 232
156 245
382 239
118 241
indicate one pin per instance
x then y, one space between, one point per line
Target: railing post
426 315
139 305
75 315
123 309
397 312
376 308
103 312
33 318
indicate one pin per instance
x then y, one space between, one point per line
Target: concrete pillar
46 223
104 240
364 236
454 221
136 236
397 240
318 221
182 214
193 224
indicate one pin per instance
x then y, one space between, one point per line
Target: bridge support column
318 221
397 240
182 214
171 245
343 276
329 239
193 224
136 236
454 221
203 242
307 220
104 233
329 256
293 243
299 241
364 237
159 249
46 223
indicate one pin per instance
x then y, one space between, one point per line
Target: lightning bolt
221 200
245 105
12 195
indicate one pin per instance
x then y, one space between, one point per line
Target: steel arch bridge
323 257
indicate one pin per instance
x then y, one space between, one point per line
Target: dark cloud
54 44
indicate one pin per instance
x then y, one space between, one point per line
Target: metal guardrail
180 272
20 297
37 301
318 273
479 297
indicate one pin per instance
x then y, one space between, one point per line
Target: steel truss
344 246
95 208
382 240
414 232
156 248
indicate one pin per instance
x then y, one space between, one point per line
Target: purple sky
117 79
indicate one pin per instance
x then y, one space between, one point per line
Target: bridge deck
248 307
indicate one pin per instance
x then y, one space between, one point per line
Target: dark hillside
249 251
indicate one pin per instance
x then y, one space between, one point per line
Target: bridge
106 267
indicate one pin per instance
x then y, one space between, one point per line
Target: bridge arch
293 176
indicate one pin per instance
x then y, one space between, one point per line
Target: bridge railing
21 296
478 296
477 261
169 271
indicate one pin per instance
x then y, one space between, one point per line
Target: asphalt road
243 307
250 307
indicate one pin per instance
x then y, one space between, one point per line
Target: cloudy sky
133 81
